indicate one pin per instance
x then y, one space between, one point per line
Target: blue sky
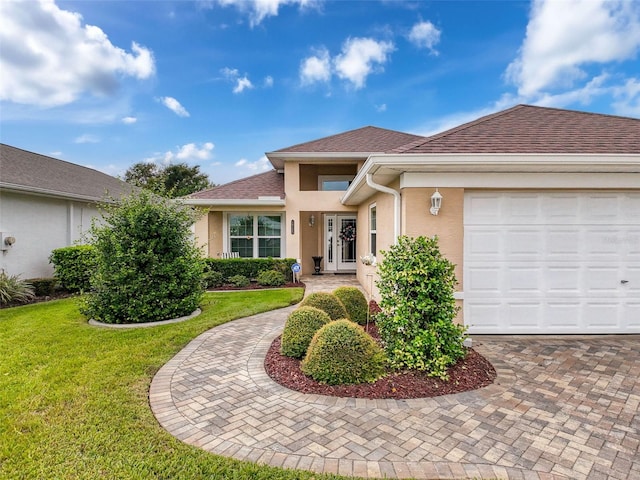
218 83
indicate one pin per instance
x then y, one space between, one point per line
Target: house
539 208
46 203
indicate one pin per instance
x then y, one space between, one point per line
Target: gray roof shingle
530 129
267 184
32 172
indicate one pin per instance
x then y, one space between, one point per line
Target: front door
340 243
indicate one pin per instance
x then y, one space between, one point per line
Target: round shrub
270 278
213 279
342 353
239 281
354 301
301 325
326 302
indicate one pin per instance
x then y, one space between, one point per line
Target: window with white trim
334 183
372 228
256 235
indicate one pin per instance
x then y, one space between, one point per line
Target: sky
217 83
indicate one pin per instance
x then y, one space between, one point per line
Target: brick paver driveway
561 408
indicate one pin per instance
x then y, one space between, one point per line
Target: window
256 235
334 183
372 229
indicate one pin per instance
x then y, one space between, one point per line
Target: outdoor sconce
436 202
6 241
312 220
293 227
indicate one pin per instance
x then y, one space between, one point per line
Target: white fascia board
518 180
277 159
44 192
203 202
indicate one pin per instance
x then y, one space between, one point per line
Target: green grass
73 398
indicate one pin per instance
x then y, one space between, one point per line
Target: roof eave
44 192
234 202
278 159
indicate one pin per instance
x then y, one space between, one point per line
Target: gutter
396 204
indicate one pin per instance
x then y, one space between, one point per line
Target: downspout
396 204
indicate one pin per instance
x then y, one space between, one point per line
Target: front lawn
73 398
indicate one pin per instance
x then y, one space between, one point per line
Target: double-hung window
256 235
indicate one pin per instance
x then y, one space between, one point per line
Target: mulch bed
469 373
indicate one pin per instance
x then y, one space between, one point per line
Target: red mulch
469 373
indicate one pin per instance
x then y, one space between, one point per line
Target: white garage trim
552 262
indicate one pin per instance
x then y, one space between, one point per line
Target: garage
552 262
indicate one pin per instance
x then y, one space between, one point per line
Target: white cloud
316 68
49 57
381 108
425 35
360 57
189 152
268 81
564 37
174 105
230 73
260 165
258 10
129 120
87 138
627 98
242 84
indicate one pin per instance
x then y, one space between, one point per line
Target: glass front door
340 243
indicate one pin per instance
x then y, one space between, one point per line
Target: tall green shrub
355 302
249 267
418 308
148 267
73 266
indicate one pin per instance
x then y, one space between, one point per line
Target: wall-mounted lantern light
312 220
293 227
436 202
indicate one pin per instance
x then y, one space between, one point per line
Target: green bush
418 308
213 279
326 302
14 290
249 267
354 302
73 266
239 281
301 325
43 287
342 353
148 267
270 278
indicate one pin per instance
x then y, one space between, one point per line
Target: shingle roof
28 171
530 129
365 139
267 184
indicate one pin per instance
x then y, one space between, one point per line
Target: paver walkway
561 408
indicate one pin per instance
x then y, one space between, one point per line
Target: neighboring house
540 212
46 203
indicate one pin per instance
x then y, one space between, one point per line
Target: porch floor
329 282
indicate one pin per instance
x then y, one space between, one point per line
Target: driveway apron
561 407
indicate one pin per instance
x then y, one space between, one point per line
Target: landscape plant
342 353
354 302
73 266
326 302
239 281
270 278
301 326
13 289
416 323
147 265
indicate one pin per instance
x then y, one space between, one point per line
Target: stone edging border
95 323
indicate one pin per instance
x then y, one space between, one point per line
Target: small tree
148 268
418 308
173 180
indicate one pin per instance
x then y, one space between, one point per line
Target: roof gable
35 173
362 140
267 184
531 129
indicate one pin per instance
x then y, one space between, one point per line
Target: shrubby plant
270 278
342 353
213 279
147 266
326 302
73 266
354 302
301 326
239 281
14 290
416 323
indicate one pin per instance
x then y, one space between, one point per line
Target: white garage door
563 262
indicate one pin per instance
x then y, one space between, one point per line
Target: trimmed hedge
301 326
354 301
342 353
249 267
73 266
43 287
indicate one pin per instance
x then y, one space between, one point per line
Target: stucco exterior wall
309 174
40 224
